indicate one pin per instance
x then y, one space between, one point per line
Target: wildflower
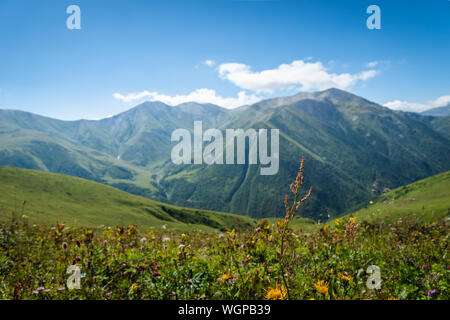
424 267
258 229
322 287
133 289
35 292
345 277
277 293
431 292
166 239
226 276
221 235
47 290
61 289
105 243
40 288
156 274
144 239
64 245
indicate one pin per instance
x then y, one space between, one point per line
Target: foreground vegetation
271 261
125 263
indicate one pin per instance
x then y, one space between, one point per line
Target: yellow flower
276 293
134 287
226 276
230 232
322 287
345 277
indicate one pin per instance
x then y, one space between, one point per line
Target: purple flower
35 292
61 289
47 290
258 229
40 288
431 292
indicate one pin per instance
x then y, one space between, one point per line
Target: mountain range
443 111
355 150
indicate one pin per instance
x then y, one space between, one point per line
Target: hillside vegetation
47 198
428 199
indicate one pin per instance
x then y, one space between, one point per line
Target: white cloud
406 106
440 102
199 96
417 107
372 64
210 63
304 75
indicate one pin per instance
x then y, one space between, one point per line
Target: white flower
166 239
144 239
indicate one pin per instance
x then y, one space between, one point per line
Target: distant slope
438 112
51 198
429 199
442 125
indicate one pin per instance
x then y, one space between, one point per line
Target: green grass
47 198
428 198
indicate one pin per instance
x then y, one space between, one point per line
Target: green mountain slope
428 198
354 149
47 198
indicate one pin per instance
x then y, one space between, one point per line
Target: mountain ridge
354 149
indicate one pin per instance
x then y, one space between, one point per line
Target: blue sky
130 51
